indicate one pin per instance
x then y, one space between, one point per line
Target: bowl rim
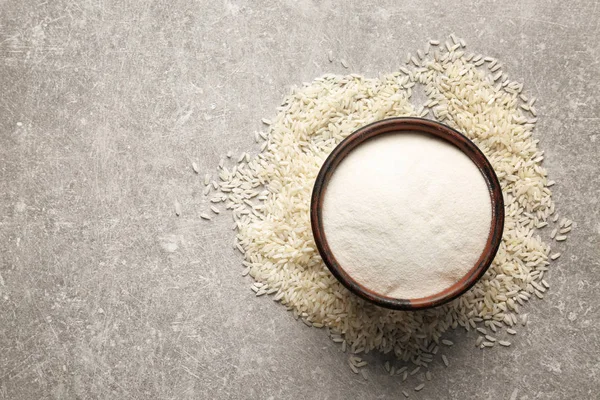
403 125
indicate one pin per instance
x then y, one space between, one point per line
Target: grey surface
104 105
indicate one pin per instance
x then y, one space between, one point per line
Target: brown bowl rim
399 125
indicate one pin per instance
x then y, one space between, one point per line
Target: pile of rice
269 196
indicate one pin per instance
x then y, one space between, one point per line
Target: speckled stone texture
106 294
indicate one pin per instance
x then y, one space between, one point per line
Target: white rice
545 284
555 218
274 233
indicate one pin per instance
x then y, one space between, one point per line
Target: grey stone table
105 294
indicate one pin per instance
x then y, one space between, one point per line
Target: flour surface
407 215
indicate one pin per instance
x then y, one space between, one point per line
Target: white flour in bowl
407 215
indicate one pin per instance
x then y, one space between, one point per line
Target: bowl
398 126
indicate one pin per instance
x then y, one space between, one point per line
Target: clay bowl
398 126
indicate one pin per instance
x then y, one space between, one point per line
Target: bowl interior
398 126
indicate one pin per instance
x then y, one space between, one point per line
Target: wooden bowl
398 126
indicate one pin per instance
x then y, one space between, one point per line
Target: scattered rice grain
524 319
545 284
565 230
363 372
